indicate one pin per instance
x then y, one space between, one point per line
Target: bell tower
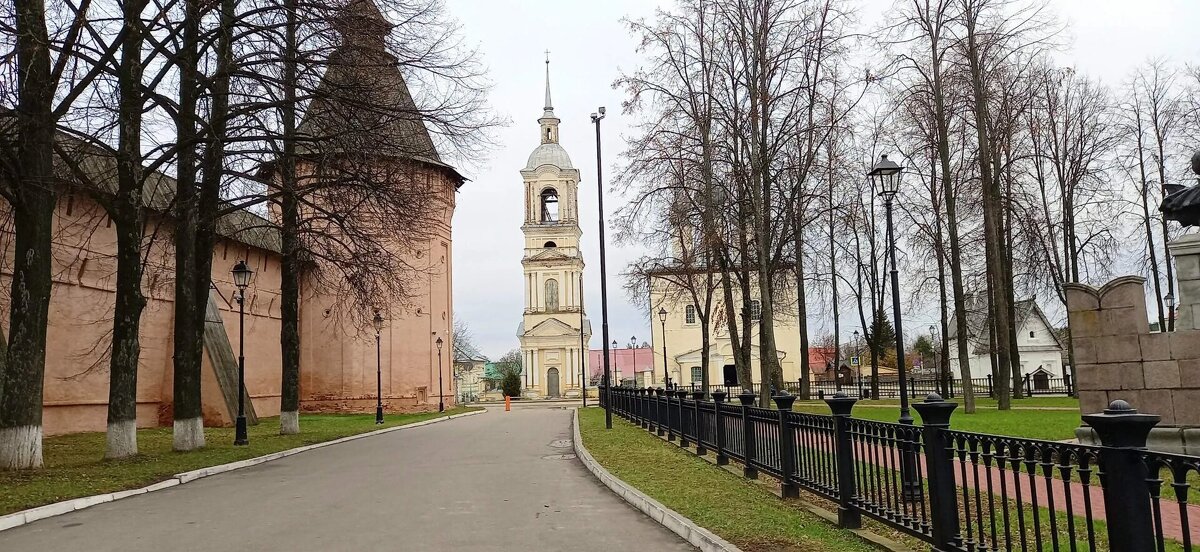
554 329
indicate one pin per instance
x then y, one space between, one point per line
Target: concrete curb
687 529
31 515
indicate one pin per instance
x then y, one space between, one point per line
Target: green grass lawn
984 402
74 464
740 511
1051 425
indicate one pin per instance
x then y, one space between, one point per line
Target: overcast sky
589 46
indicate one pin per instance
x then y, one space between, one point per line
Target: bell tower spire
549 105
549 122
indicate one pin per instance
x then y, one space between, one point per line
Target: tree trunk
33 212
188 433
802 308
731 324
1168 263
943 361
128 218
992 208
289 333
1147 225
833 285
955 257
1014 354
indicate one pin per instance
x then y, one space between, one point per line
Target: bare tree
47 85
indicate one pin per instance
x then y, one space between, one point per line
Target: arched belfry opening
549 245
549 202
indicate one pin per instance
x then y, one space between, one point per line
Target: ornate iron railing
957 490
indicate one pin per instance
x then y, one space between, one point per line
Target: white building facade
1040 350
681 331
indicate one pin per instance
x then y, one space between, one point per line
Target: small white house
1038 344
470 368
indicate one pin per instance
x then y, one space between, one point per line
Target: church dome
549 154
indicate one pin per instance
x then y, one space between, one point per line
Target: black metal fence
1032 385
958 491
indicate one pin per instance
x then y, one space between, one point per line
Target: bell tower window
549 201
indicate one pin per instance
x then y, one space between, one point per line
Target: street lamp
633 347
1170 313
942 371
441 397
378 323
662 318
858 356
241 279
886 177
596 117
615 368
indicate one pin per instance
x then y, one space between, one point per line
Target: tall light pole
886 175
241 279
596 117
441 396
662 318
378 323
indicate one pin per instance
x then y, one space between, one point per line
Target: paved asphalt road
494 481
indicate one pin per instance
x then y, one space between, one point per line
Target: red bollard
507 403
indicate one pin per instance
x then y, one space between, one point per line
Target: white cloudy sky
589 47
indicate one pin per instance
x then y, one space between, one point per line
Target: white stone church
554 329
1038 344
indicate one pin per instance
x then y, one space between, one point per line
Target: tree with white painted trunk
50 74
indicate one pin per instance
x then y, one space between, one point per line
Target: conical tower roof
363 103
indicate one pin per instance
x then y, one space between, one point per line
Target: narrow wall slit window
552 295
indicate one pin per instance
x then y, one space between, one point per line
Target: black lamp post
886 175
634 347
614 362
662 318
858 356
596 117
241 279
943 373
378 323
1170 313
441 399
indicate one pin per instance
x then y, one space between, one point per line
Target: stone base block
1173 439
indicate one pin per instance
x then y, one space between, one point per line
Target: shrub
511 384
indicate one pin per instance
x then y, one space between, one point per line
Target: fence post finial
842 405
787 443
1123 432
939 466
